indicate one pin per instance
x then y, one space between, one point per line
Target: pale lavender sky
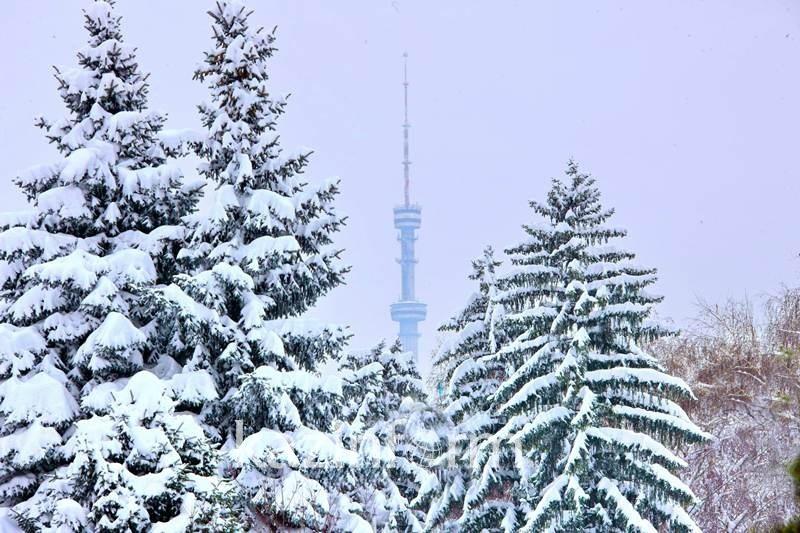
687 112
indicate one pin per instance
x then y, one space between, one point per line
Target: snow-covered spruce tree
471 377
363 429
257 260
103 229
132 462
396 433
590 415
418 428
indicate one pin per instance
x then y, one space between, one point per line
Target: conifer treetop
264 217
588 412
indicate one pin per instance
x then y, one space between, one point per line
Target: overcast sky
687 113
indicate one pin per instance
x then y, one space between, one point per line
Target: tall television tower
407 312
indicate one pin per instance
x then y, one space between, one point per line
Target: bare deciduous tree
745 372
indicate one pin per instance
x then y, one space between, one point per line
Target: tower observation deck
407 312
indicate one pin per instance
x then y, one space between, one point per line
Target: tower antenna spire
406 126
